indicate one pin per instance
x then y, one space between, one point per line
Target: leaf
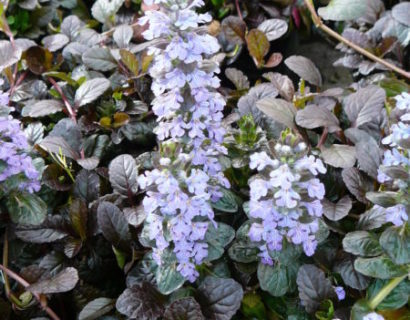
258 45
123 173
44 235
282 83
184 309
396 243
339 155
135 216
368 156
238 78
141 302
57 144
9 55
91 90
342 10
96 308
26 208
337 211
220 298
379 267
34 133
42 108
395 300
356 183
79 216
364 105
401 12
113 224
103 10
253 306
313 287
122 35
315 116
273 279
279 110
89 163
362 243
349 275
167 277
217 239
273 28
39 60
274 60
305 69
227 203
99 59
64 281
384 199
87 186
372 219
130 61
234 29
55 42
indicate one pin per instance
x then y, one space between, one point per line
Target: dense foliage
180 159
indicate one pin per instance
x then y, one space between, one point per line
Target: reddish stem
25 284
67 104
238 9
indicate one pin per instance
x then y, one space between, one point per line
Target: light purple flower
397 215
281 203
340 292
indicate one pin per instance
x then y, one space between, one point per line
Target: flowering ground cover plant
187 159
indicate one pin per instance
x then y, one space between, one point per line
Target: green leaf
26 208
253 307
342 10
384 199
220 298
350 276
96 308
379 267
396 243
217 239
168 278
372 219
91 90
362 243
103 10
243 251
360 309
258 45
130 61
228 202
273 279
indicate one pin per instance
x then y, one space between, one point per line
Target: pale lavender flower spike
189 114
13 157
285 191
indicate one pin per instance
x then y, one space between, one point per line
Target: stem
385 291
238 9
323 138
5 262
25 284
319 23
67 104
